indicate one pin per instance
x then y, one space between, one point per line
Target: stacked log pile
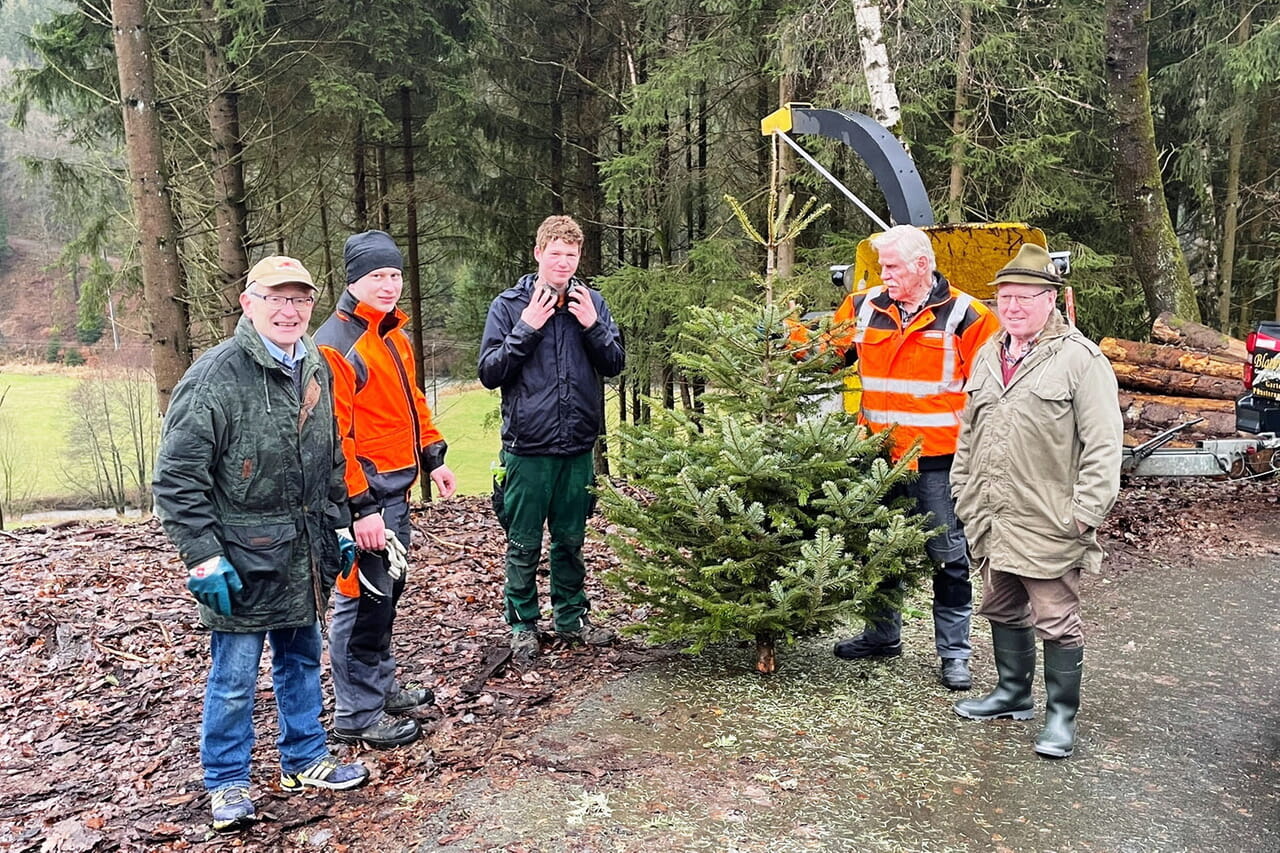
1195 372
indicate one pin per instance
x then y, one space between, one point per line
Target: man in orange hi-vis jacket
916 339
387 436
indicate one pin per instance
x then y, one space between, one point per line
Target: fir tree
760 517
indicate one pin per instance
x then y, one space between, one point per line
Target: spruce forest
1139 135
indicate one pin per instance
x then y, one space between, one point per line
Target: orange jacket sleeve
344 410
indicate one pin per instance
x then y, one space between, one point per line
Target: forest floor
105 665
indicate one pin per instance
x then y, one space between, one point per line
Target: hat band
1041 274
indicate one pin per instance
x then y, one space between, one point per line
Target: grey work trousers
360 654
952 589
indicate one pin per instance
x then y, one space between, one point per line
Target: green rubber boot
1015 653
1062 671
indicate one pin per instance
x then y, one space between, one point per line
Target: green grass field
469 420
34 414
33 431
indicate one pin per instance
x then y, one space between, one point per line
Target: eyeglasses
1022 301
277 301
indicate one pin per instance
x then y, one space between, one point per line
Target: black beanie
369 251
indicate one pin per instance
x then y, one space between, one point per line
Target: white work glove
397 557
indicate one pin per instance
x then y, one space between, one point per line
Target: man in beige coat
1036 470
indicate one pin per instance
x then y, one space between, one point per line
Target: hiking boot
524 649
325 772
955 674
589 634
387 733
406 700
863 647
232 809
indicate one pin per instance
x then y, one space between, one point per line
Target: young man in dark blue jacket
547 342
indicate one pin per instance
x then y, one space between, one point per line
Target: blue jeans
226 734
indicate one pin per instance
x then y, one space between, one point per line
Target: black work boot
387 733
881 639
1015 653
408 699
1062 671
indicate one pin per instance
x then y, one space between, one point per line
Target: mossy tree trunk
230 212
1157 258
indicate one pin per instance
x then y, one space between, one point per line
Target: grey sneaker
232 809
325 772
589 634
407 699
524 649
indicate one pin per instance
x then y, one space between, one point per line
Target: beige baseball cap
276 270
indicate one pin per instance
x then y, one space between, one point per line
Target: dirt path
1180 746
634 749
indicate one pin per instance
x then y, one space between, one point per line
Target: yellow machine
969 255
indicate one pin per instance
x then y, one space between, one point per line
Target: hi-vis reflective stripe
958 309
913 387
864 315
913 419
949 380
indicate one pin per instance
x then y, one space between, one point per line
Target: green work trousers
550 491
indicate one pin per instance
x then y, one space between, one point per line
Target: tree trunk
162 275
784 160
959 117
556 143
411 234
1157 257
384 186
766 654
1231 212
1258 214
332 285
1173 330
1170 358
1148 414
702 159
885 107
360 192
230 215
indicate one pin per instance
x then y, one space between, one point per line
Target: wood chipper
970 254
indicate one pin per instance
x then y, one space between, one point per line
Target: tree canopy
457 126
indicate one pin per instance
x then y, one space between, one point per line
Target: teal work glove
213 582
346 549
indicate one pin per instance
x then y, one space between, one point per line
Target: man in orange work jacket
387 436
916 339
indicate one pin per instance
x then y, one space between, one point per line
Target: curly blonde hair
558 228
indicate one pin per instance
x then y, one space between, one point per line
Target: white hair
910 241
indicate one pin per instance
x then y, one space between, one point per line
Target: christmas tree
761 516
